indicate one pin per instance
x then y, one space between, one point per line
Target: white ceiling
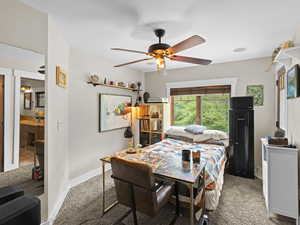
97 25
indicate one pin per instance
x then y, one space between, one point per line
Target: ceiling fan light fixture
160 51
160 62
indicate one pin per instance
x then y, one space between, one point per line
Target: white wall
25 28
86 144
20 59
22 26
248 72
294 106
56 147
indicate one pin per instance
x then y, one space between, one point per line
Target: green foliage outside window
214 111
184 110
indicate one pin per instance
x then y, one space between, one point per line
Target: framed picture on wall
257 91
114 112
293 82
27 101
40 99
61 77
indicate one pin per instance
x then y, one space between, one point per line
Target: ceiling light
239 49
25 88
160 62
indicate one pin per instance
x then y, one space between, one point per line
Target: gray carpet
241 204
21 178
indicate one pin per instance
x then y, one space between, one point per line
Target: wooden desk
32 123
167 166
34 127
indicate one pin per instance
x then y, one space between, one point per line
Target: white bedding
178 131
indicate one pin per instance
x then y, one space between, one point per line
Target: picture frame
61 77
40 99
281 77
257 91
27 101
114 112
293 82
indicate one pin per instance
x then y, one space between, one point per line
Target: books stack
145 125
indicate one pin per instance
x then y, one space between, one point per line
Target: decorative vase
146 96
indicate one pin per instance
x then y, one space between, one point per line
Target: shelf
288 53
112 86
152 131
144 118
145 131
156 132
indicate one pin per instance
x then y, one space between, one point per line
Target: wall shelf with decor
112 86
288 53
153 121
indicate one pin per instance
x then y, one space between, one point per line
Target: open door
1 123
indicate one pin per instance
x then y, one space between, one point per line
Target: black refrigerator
241 134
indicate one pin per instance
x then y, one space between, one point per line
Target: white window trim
202 83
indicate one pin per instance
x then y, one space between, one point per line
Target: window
214 113
184 110
209 109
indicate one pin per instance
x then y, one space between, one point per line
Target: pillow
180 138
195 129
210 135
179 131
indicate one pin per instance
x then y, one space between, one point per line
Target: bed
213 155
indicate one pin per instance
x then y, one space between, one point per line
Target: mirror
40 99
27 101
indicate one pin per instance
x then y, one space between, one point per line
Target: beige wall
57 119
248 72
86 144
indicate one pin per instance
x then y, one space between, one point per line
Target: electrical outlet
59 125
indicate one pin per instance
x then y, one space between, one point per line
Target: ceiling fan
161 51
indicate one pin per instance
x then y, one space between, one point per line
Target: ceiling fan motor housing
158 47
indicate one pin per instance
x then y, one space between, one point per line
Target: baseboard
58 206
73 183
45 223
258 173
83 178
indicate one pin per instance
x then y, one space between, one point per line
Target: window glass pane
214 111
184 110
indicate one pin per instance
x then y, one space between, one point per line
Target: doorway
1 123
31 132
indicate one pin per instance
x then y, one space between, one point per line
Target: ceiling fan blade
128 50
136 61
186 44
190 60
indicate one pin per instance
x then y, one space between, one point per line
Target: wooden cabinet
154 119
280 180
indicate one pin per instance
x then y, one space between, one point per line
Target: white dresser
280 180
